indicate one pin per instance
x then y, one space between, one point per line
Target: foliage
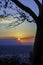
19 16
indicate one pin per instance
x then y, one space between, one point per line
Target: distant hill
9 42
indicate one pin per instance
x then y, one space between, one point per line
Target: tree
38 20
19 19
38 45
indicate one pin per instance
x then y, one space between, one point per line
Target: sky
24 32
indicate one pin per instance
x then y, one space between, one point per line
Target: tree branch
38 4
25 8
12 24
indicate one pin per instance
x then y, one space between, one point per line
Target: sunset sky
24 32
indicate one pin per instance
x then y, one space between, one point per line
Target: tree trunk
38 45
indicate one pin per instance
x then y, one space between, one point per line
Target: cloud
9 21
6 22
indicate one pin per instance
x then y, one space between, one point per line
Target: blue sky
31 4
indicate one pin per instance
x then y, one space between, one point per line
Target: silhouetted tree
19 19
38 45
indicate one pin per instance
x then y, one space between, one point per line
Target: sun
18 38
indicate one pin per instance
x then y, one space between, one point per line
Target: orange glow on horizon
22 40
28 39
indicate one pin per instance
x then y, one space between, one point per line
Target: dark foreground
12 61
15 55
